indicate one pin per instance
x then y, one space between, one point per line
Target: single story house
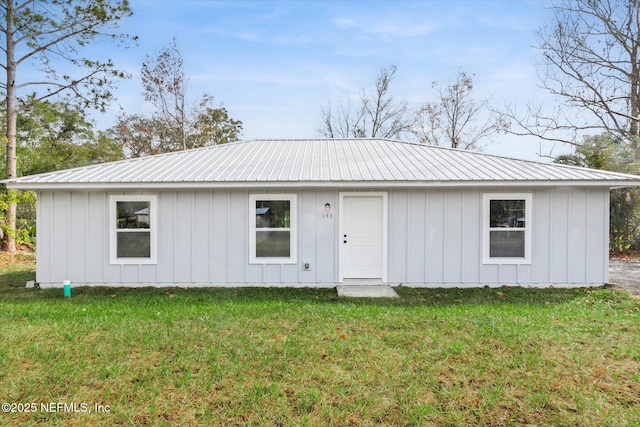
323 212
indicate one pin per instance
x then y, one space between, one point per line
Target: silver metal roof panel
321 162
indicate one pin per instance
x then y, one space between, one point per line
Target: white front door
363 236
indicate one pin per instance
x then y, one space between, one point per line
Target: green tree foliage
53 36
212 125
139 135
24 230
143 136
52 136
605 152
55 135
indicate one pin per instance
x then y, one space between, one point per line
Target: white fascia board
316 184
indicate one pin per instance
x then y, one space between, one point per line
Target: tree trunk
12 114
634 78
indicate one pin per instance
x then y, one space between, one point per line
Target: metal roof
321 163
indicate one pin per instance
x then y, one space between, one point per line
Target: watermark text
53 407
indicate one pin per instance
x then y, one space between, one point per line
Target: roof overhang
316 184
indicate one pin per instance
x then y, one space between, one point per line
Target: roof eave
317 184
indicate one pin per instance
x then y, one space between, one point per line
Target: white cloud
388 26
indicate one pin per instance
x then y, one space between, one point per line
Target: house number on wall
327 211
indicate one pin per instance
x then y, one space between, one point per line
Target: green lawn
286 357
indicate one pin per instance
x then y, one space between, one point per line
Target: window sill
274 261
133 261
506 261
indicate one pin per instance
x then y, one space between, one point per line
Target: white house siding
569 239
202 240
435 239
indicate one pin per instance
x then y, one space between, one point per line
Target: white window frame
486 228
293 229
153 228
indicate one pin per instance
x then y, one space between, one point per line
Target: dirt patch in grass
16 268
23 258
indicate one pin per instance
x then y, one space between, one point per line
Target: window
133 229
507 228
272 231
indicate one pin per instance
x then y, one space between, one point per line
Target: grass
505 356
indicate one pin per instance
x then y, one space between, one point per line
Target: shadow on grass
408 296
11 281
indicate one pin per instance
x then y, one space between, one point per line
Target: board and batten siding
202 241
435 239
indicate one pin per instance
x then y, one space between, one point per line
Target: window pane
273 244
273 213
507 213
506 244
134 244
132 214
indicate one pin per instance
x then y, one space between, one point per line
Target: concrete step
366 291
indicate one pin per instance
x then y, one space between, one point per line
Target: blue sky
276 64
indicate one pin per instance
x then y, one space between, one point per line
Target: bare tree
378 114
456 119
53 34
165 86
591 60
176 124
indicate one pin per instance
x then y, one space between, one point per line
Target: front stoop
366 291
